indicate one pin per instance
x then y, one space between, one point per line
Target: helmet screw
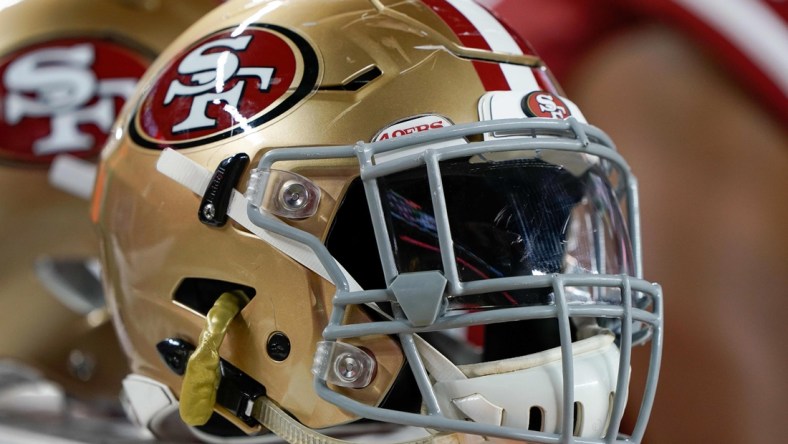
347 367
294 196
278 346
209 211
81 365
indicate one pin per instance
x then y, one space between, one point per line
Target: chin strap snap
201 381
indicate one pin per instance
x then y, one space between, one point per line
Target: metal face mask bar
419 299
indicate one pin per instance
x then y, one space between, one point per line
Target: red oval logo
62 96
545 104
225 84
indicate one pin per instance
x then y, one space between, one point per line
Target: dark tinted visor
521 217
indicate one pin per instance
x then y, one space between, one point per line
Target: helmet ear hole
200 294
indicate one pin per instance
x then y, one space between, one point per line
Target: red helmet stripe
490 74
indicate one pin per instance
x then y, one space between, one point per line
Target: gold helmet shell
327 100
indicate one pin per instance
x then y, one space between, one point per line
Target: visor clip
213 208
420 294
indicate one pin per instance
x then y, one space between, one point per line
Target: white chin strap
151 405
513 392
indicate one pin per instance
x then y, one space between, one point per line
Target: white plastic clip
283 193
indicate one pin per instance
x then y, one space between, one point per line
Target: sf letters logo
209 73
223 85
547 105
58 83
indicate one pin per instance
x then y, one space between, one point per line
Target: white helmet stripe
520 78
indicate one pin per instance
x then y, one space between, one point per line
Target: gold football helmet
66 69
317 212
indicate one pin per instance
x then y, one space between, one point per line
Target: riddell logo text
413 129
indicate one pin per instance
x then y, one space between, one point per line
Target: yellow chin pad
198 392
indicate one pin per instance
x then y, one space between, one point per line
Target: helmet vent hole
361 79
536 419
611 398
199 294
578 417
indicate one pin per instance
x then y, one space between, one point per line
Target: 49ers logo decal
225 84
62 96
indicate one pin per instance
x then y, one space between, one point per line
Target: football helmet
315 213
66 69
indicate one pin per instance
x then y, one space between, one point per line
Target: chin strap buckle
237 392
